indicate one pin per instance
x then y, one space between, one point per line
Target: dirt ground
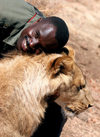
83 19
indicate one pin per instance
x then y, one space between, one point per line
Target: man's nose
34 42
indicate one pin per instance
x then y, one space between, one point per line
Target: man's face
40 35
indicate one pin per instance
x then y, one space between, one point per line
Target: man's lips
25 44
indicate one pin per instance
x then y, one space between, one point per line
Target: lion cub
26 83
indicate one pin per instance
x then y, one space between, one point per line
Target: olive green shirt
15 15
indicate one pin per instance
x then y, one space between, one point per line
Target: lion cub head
75 97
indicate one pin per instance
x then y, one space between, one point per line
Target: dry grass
48 7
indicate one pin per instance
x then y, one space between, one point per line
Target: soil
83 20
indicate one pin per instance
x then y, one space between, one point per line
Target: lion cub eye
80 87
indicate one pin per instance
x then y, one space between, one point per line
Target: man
26 28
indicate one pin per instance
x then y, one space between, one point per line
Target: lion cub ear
71 52
60 65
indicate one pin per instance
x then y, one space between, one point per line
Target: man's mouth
26 43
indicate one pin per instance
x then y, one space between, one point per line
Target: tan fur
26 82
77 98
75 103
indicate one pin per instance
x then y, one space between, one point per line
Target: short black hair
62 33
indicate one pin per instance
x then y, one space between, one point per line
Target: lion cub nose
90 105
